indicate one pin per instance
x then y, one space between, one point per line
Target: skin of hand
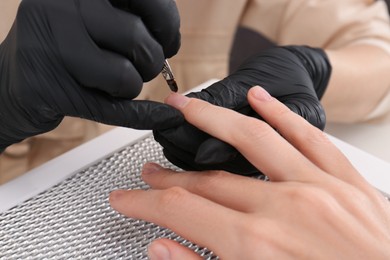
87 59
315 206
295 75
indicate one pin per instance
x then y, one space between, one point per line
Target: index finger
255 139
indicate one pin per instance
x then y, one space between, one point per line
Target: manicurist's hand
85 58
316 206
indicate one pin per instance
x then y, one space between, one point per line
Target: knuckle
146 53
316 136
136 28
258 233
253 230
254 131
318 201
281 112
304 195
172 197
129 82
263 236
149 61
198 109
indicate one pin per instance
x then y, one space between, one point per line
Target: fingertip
115 197
150 168
177 100
164 249
158 251
260 94
264 104
152 173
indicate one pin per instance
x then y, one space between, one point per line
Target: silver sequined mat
74 220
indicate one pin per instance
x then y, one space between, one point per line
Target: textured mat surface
73 220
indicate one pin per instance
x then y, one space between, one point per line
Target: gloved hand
88 59
295 75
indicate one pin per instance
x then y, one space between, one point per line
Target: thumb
168 249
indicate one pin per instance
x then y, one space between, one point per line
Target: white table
373 137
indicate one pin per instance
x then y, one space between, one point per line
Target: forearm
360 80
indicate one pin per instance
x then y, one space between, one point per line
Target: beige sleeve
328 24
320 23
8 10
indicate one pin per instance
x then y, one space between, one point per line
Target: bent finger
125 34
162 20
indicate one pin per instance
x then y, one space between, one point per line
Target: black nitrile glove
295 75
88 59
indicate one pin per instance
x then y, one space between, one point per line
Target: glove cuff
317 63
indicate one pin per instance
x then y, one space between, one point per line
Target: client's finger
255 139
309 140
230 190
172 250
188 215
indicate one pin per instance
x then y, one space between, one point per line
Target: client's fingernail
117 195
177 100
157 251
150 168
260 94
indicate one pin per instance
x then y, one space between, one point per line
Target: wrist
317 64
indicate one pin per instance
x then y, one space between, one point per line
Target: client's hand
316 206
295 75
